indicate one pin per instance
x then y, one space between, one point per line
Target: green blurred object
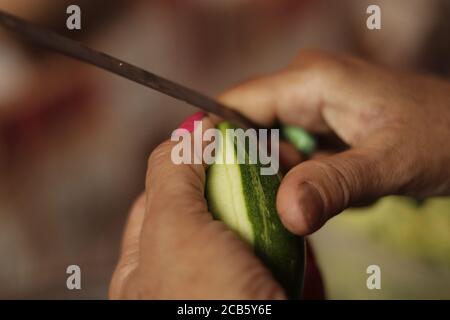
410 243
300 138
421 231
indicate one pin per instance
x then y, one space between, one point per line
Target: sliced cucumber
244 199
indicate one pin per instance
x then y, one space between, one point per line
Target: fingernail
188 123
309 217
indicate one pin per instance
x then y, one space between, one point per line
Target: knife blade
74 49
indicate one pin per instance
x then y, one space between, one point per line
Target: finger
292 97
289 156
255 99
129 253
131 236
215 120
175 192
296 95
316 190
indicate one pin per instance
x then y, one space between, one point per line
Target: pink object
188 123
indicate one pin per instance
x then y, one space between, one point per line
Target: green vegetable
244 199
300 138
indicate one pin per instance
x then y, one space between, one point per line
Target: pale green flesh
229 203
244 199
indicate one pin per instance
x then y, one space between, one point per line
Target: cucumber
243 199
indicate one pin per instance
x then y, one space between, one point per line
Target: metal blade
74 49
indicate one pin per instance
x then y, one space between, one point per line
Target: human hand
174 249
396 124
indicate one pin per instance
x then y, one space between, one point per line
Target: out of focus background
74 140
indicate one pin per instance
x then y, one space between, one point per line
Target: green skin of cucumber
245 200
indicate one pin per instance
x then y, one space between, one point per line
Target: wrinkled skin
397 127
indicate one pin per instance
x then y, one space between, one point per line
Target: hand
174 249
396 124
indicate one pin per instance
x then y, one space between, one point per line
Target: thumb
316 190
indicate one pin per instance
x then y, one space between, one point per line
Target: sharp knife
77 50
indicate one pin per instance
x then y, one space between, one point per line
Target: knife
78 51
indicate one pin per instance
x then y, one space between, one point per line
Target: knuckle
335 186
322 65
351 179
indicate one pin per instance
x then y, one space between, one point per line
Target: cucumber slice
242 198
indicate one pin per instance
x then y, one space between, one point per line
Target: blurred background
74 140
